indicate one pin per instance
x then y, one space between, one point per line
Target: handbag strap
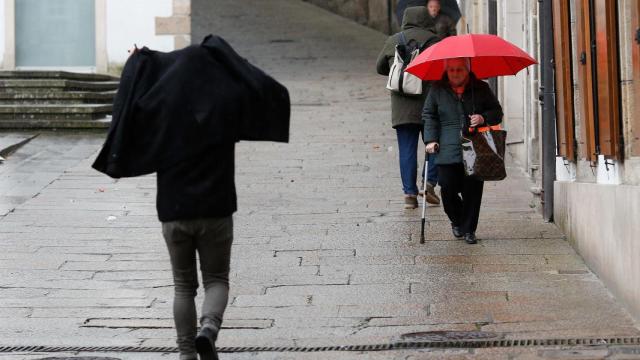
485 128
403 39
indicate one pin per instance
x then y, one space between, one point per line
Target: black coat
444 115
171 107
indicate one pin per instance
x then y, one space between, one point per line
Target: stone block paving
324 254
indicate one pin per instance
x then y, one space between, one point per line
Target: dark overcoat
445 115
171 107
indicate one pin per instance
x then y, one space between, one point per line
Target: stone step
20 85
54 112
55 99
41 96
52 124
5 75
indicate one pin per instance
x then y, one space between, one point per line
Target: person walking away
457 102
195 203
440 23
191 148
406 110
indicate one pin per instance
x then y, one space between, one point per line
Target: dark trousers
462 211
211 238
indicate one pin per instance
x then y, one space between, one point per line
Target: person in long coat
456 103
440 23
406 111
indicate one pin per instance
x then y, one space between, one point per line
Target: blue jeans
408 136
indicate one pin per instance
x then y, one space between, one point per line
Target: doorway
55 34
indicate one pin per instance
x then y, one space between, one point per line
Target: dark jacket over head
407 109
444 113
172 107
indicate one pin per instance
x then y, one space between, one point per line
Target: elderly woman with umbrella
460 103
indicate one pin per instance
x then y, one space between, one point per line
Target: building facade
87 35
597 192
596 76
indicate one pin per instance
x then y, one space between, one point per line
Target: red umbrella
490 56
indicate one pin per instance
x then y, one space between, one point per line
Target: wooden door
55 34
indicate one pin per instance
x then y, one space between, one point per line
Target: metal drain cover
80 358
441 336
281 41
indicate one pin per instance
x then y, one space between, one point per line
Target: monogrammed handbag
483 154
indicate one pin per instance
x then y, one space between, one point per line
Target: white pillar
9 62
102 61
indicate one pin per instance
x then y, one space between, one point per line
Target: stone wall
371 13
601 222
178 24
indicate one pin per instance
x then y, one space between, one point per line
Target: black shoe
206 344
456 231
470 238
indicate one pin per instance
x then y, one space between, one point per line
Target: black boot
206 343
470 238
456 231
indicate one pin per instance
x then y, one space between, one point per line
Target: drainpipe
492 8
548 101
390 14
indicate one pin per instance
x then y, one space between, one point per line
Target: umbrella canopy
448 7
490 56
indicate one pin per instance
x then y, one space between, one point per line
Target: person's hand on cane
432 147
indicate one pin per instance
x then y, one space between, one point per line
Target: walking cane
424 195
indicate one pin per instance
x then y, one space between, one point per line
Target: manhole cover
80 358
433 336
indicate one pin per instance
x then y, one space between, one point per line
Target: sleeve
431 118
382 65
491 108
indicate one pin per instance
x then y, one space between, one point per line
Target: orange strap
486 128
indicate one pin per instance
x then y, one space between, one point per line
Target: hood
415 16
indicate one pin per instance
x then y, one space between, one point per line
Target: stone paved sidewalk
324 254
